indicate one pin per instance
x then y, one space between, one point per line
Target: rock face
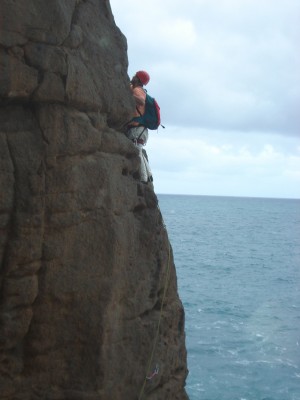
89 303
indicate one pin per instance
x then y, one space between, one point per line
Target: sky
226 74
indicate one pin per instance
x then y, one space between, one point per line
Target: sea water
238 271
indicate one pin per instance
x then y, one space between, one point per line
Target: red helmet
143 77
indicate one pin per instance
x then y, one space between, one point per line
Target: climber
135 131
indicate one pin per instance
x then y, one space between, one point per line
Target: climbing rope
156 371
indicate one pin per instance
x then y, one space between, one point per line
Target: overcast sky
226 74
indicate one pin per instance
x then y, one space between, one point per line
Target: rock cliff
89 303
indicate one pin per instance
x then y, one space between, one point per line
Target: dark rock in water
89 302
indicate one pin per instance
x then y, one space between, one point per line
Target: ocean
238 272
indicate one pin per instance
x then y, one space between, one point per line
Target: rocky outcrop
89 303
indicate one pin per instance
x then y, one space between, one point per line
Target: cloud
195 163
221 64
226 75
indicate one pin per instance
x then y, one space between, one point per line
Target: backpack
151 117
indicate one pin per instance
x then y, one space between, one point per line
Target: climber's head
143 77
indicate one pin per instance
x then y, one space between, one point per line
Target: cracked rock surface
87 277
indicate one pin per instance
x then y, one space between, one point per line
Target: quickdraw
155 372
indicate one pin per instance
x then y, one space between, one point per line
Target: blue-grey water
238 271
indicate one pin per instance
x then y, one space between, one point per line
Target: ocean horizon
230 196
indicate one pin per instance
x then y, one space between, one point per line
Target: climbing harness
156 371
138 139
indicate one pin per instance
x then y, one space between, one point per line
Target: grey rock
45 57
32 20
51 89
75 37
88 281
17 80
